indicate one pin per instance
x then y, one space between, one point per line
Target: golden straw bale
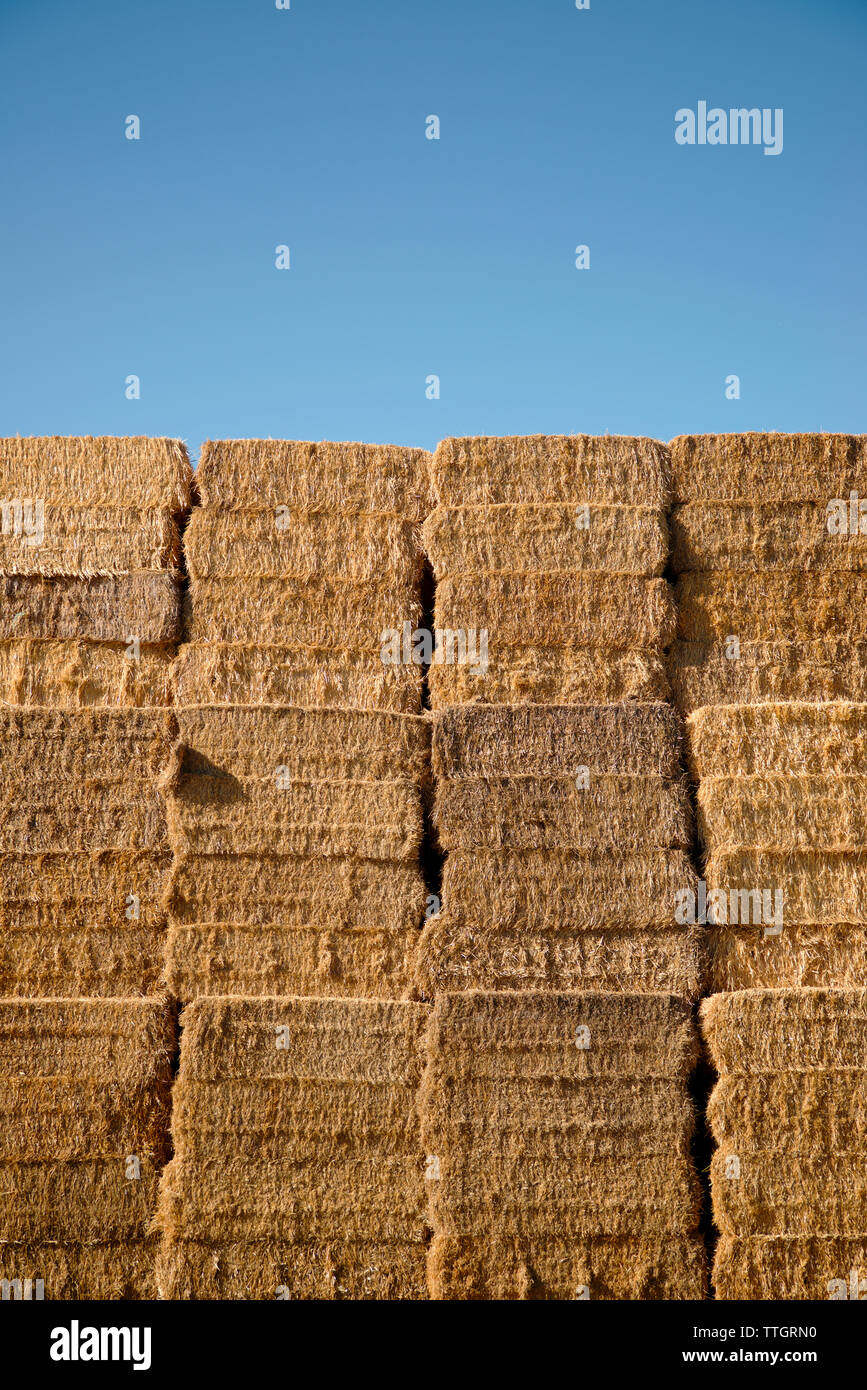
712 536
814 1267
781 1193
802 606
88 541
792 738
308 612
783 811
85 745
78 1118
82 961
785 1030
551 468
114 1270
68 675
766 468
817 886
823 957
115 1041
828 669
107 608
98 472
84 1200
525 673
82 816
823 1112
266 1269
57 892
301 543
517 608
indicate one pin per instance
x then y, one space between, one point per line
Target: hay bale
306 676
551 468
518 813
822 957
56 892
75 1118
797 1030
85 745
89 541
207 960
516 607
294 473
129 1041
789 1267
484 1268
84 1201
76 817
791 738
818 1113
500 1036
340 1269
528 674
335 893
98 472
113 608
766 468
361 745
540 536
818 886
455 955
301 543
780 1194
563 891
829 669
307 612
717 536
225 815
330 1039
113 1270
551 741
803 606
81 962
70 675
782 812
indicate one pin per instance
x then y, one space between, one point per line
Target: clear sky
412 257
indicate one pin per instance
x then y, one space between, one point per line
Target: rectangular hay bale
551 468
106 608
98 472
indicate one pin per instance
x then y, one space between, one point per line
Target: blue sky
412 257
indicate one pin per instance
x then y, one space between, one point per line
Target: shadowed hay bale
301 544
818 886
776 536
790 1267
782 812
766 468
267 1269
517 813
119 1041
539 536
309 612
85 744
207 960
335 893
120 1270
81 962
60 892
88 541
235 673
329 1039
113 608
499 1036
479 1267
98 472
826 670
832 957
69 1118
80 1201
309 743
793 738
823 1112
757 1031
763 607
780 1193
222 815
551 468
556 890
519 607
527 674
227 1199
611 1197
454 956
70 675
88 816
552 741
295 473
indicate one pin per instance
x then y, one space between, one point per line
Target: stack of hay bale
297 816
297 1171
782 806
308 824
553 547
789 1114
84 1105
84 851
557 1129
89 554
769 537
566 830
